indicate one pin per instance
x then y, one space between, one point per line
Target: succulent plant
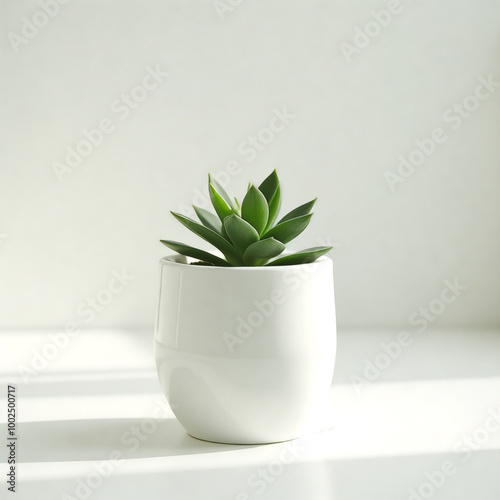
246 234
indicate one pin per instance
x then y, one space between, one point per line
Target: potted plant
245 337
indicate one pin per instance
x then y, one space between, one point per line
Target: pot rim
181 260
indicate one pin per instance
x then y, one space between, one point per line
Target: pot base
239 443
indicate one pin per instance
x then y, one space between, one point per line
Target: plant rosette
245 343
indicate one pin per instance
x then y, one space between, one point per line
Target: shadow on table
377 478
75 440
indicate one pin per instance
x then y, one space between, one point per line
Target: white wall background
61 241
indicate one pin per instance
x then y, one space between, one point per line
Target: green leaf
196 253
302 257
254 209
269 185
221 207
288 230
297 212
208 219
270 188
241 233
222 192
274 208
261 251
212 237
237 210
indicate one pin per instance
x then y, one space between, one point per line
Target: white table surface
379 441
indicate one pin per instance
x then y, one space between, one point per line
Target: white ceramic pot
245 354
